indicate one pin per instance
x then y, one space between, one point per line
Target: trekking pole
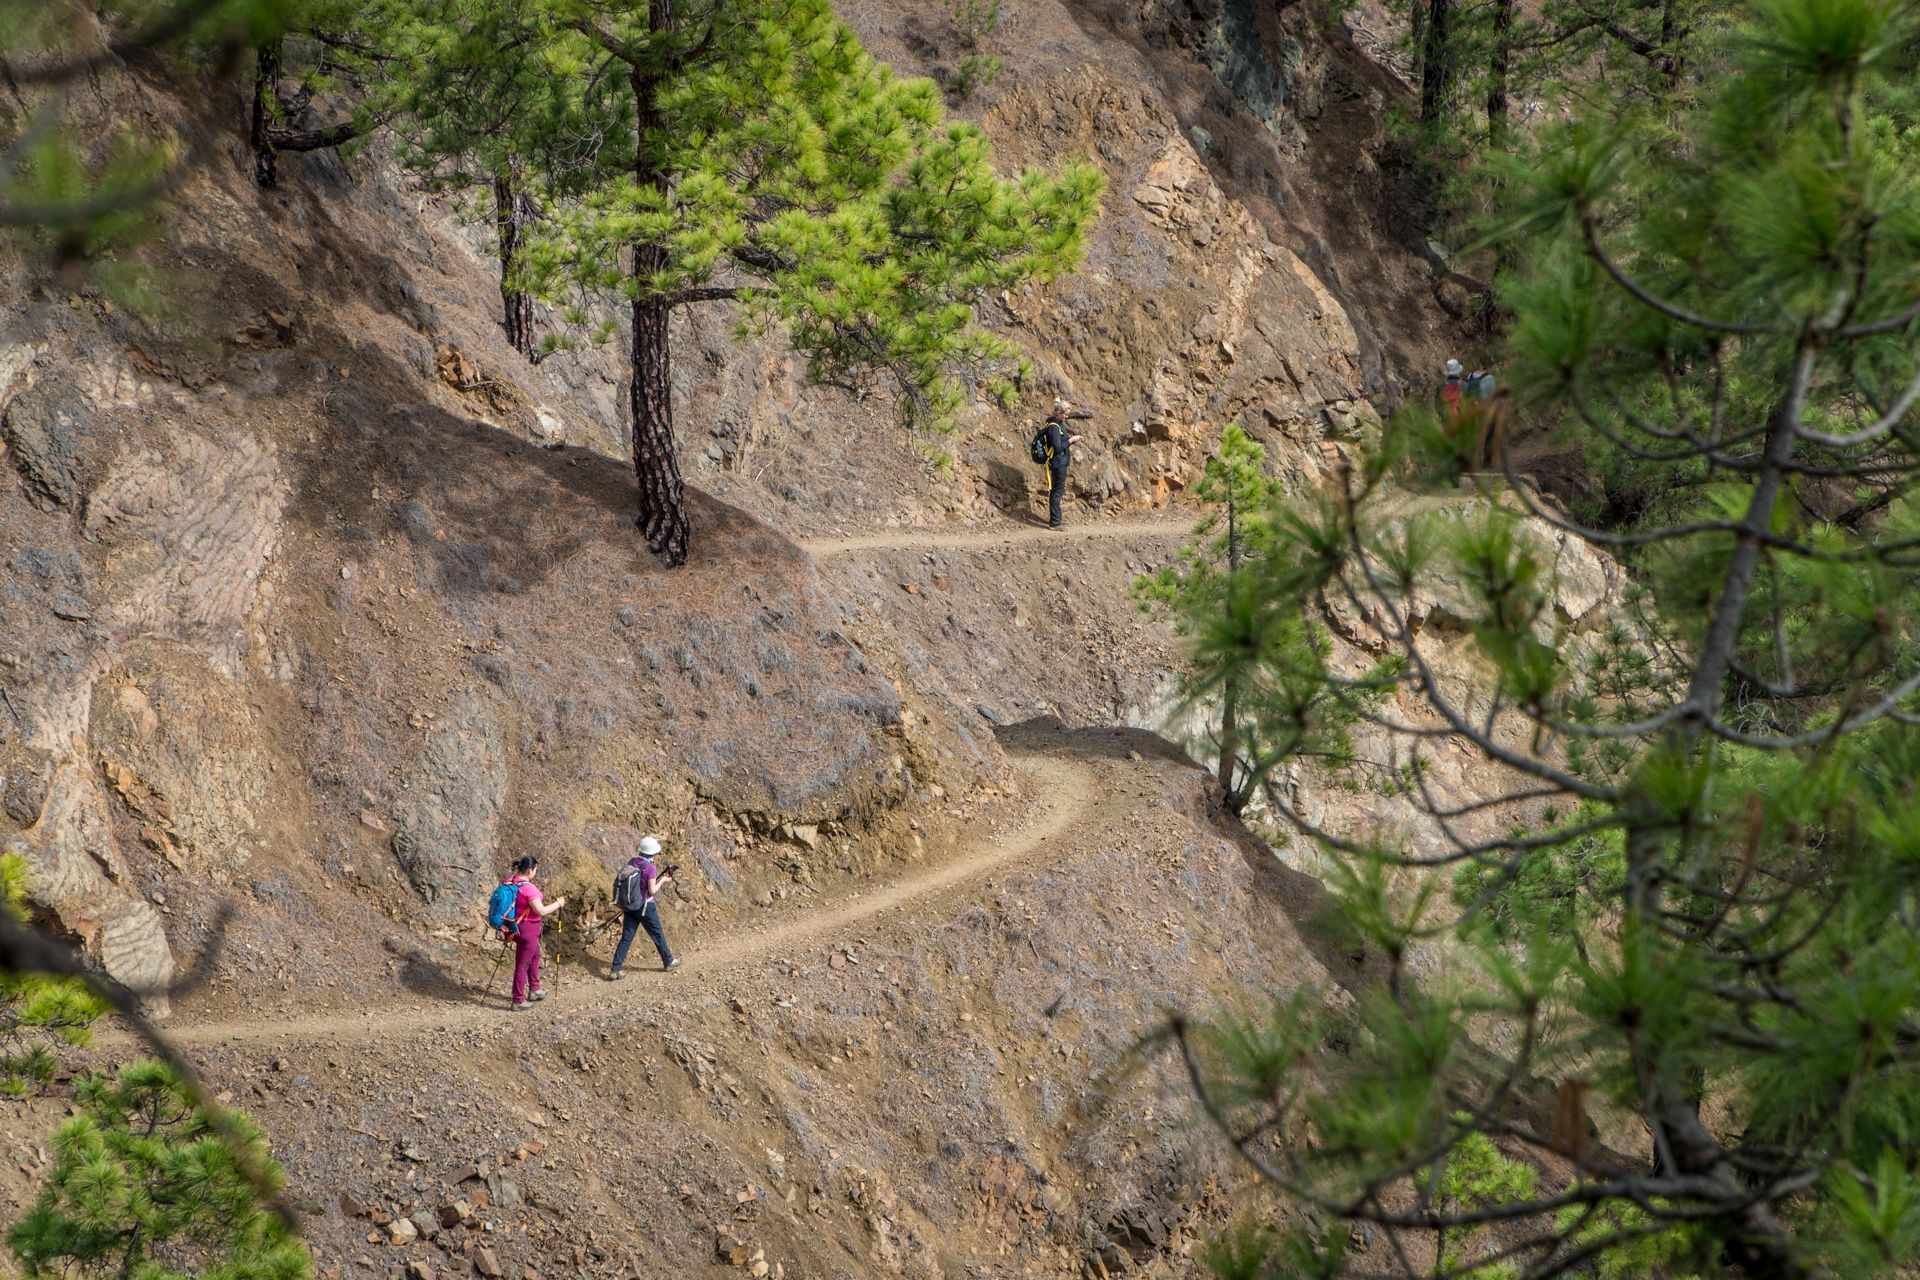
506 949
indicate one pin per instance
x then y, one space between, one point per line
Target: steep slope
320 603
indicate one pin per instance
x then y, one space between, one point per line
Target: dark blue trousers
648 919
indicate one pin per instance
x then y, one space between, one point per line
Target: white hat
1062 405
1453 369
649 846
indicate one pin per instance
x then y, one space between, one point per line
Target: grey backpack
630 889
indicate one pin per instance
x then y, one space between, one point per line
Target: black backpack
1042 452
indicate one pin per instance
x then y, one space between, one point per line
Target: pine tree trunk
1436 61
266 81
1230 695
663 504
516 307
1498 71
1671 62
1230 749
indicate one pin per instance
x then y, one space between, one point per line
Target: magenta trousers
526 961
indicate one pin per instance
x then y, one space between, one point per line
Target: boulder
56 442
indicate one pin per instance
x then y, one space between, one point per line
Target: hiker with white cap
634 890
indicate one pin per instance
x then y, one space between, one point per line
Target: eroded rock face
447 840
52 435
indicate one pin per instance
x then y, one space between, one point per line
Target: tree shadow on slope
489 510
424 976
1051 735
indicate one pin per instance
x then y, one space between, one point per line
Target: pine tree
36 1013
327 53
142 1185
1689 902
750 150
476 98
1218 600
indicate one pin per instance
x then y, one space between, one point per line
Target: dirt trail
1060 796
937 539
1057 784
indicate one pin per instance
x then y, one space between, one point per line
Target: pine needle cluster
143 1186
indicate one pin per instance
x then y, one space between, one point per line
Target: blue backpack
503 909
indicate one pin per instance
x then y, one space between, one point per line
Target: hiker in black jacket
1060 444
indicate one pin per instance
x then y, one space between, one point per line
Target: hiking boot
615 975
521 1006
540 994
672 964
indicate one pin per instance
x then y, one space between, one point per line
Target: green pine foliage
975 19
37 1014
1475 1175
820 190
1686 911
689 151
143 1187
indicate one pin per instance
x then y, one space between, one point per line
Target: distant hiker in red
1450 389
531 907
1468 413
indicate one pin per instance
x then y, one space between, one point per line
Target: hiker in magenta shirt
532 909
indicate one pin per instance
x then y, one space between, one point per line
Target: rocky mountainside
320 603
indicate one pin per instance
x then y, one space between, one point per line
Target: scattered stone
759 1269
836 961
731 1249
628 615
402 1231
417 1270
351 1206
486 1263
911 588
425 1224
455 1212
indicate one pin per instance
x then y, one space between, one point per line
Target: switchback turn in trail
1060 794
1060 788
